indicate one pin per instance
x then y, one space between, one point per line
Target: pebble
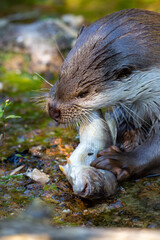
66 211
37 175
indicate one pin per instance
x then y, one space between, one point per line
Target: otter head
108 65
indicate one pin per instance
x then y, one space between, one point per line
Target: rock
73 21
37 151
37 175
3 22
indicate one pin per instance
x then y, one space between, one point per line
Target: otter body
116 63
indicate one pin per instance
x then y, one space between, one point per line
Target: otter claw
109 150
122 175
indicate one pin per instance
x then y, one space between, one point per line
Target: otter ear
124 72
81 30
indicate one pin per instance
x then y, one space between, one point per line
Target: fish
87 181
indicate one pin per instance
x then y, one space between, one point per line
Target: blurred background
90 9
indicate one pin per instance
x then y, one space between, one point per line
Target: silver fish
89 182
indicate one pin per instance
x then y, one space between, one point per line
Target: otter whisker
126 120
40 99
131 113
134 114
41 90
90 118
103 121
42 96
115 116
44 79
60 52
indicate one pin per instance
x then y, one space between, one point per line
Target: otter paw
110 150
114 160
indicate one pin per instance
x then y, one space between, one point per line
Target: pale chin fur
140 92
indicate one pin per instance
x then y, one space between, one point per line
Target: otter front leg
143 160
115 161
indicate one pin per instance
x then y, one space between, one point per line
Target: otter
115 63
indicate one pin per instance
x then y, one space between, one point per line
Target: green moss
8 177
20 82
52 187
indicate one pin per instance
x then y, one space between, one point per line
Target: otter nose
53 111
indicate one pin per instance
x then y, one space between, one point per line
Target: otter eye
82 94
124 72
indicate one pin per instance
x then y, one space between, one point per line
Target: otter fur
115 63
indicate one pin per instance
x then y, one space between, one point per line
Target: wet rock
73 21
27 193
37 175
66 211
33 186
37 151
117 204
